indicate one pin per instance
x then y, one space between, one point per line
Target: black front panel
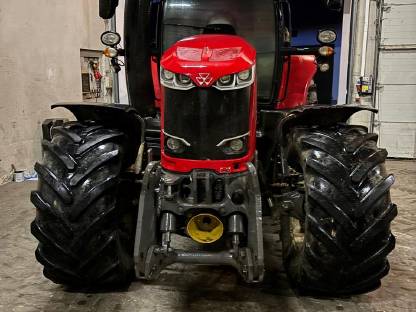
204 117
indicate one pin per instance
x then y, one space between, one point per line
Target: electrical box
365 86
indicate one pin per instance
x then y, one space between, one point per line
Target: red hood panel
206 58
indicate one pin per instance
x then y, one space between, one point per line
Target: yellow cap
205 228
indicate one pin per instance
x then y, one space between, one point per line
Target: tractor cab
265 25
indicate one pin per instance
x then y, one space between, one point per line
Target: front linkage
170 201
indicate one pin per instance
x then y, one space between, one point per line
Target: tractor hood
206 58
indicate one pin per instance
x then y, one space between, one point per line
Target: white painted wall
363 118
395 90
40 44
396 94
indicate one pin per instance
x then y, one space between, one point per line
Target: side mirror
108 8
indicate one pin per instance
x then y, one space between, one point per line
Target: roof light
189 54
225 54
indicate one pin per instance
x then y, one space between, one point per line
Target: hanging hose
139 159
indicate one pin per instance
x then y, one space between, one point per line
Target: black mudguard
117 116
275 125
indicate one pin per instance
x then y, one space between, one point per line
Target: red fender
302 70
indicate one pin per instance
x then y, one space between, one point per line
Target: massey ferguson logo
204 79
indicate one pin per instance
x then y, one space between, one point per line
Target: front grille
204 117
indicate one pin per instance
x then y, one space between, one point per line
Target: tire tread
82 241
345 183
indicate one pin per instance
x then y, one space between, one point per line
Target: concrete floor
23 287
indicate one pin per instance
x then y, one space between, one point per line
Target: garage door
396 88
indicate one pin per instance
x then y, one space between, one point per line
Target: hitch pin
167 225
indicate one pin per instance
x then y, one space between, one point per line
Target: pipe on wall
345 52
365 38
379 22
353 39
115 92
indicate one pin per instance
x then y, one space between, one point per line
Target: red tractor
218 134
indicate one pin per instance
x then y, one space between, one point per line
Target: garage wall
363 118
40 44
396 83
391 60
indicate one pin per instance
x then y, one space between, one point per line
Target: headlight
236 81
110 38
174 144
234 145
167 75
244 75
183 79
183 82
327 36
237 145
175 81
226 80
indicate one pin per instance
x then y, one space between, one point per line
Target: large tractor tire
85 216
345 234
